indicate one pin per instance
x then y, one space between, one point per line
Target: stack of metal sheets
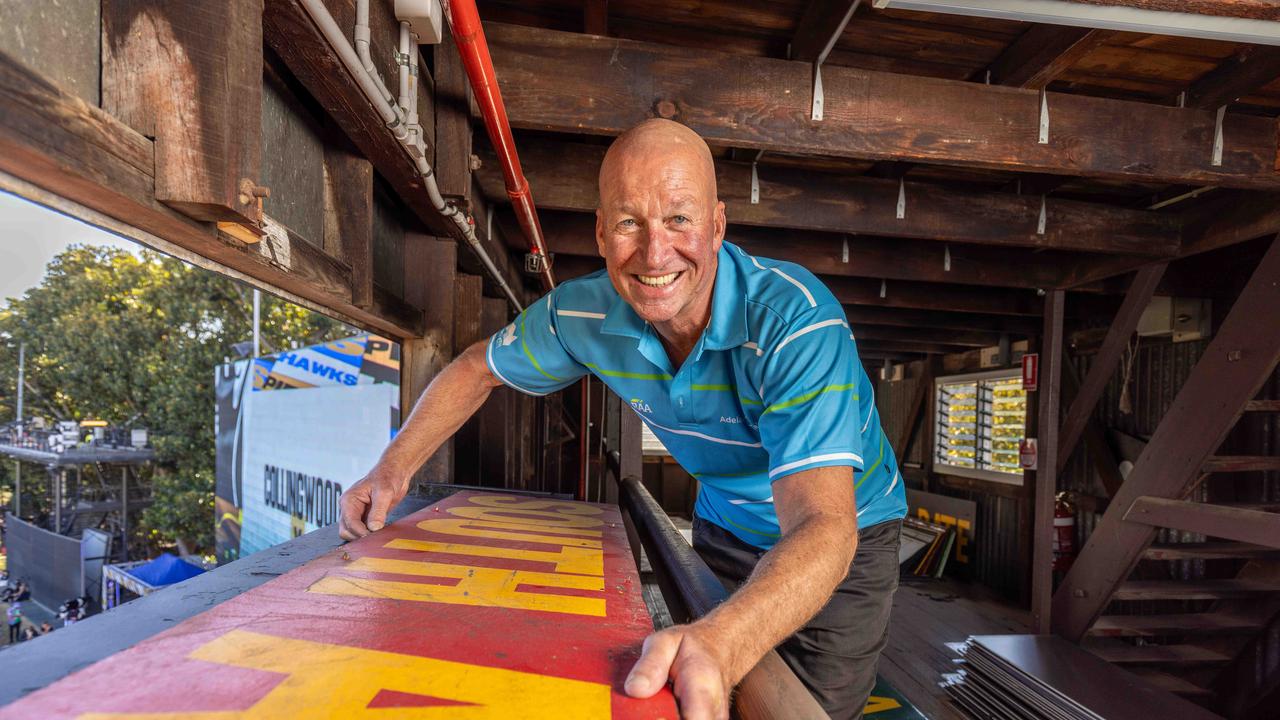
1036 677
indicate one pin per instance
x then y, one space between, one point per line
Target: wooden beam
61 145
565 176
864 293
198 93
1253 9
918 402
430 273
1230 220
820 253
467 330
966 338
348 218
910 346
1242 74
453 123
595 17
495 460
1119 331
1219 521
1234 366
1041 54
576 83
820 28
1044 480
940 319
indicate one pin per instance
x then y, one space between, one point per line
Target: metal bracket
755 179
1044 216
1217 137
400 58
844 251
488 222
815 111
1044 117
884 288
536 264
902 199
946 258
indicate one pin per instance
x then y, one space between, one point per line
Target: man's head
660 223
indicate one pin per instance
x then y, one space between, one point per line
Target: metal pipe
391 113
771 689
468 34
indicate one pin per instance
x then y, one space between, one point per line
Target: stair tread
1193 589
1174 624
1212 550
1241 463
1123 653
1171 683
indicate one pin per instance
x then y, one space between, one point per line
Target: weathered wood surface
59 143
564 175
871 315
820 27
1043 53
348 218
453 123
430 273
1235 365
1044 479
1243 74
197 92
966 338
578 83
1220 521
1254 9
467 323
874 257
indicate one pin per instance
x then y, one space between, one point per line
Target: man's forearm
790 584
451 398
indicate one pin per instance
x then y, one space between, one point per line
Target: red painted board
482 606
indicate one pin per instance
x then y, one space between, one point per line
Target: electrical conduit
397 119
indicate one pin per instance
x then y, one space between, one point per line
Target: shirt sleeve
528 355
810 392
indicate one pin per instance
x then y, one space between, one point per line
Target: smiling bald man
747 370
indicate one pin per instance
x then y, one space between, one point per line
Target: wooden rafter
1253 9
965 338
1242 74
1232 369
1041 54
823 254
595 17
941 318
565 178
820 27
577 83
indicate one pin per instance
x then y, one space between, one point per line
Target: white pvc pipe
403 62
378 94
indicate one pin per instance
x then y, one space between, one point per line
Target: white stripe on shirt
806 330
494 369
580 314
698 435
815 459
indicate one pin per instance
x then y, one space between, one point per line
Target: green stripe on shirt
802 399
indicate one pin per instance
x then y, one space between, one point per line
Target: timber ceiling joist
575 83
564 177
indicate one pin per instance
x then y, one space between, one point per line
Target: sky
30 235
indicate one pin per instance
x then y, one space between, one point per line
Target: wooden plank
909 346
61 145
595 17
1241 463
1230 372
820 27
1231 220
965 338
569 82
871 315
1262 406
348 218
453 123
1125 654
430 267
565 175
467 330
1243 74
940 297
1253 9
1174 624
924 387
417 615
1193 589
1108 357
1230 523
574 234
1172 683
1044 479
1041 54
199 94
1211 550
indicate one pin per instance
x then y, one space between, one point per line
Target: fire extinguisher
1064 532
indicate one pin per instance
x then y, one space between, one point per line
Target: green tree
134 339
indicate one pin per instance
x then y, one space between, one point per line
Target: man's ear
721 224
600 231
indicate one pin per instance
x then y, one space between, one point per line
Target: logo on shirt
640 405
508 334
730 420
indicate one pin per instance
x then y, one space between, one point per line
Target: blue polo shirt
773 387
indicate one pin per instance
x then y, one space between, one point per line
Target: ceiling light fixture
1105 17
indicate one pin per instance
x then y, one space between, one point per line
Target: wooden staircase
1180 613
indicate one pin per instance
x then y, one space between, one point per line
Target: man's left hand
696 668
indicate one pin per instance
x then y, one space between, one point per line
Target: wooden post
467 324
493 416
430 267
348 218
190 75
453 123
1045 483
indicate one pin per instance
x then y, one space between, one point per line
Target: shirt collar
728 325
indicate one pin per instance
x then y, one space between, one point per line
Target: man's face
659 228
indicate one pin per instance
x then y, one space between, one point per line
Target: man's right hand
364 506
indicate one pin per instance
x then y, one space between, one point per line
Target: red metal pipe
468 34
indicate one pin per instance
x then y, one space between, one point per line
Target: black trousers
15 633
836 653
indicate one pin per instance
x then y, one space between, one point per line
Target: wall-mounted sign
1031 371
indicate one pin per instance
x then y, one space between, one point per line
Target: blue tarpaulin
165 570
